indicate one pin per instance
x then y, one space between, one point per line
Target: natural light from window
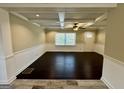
65 39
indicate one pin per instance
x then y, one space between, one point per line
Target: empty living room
61 46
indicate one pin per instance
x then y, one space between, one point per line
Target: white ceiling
49 16
62 5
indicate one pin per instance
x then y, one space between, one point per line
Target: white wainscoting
26 57
11 68
76 48
113 73
3 74
21 60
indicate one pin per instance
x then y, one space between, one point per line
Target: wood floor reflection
66 65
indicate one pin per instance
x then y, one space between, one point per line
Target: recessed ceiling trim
67 20
24 18
102 17
43 11
20 16
36 24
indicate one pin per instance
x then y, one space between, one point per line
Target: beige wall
89 43
50 36
100 41
80 37
82 43
25 34
114 45
100 36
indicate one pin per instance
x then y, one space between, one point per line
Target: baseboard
65 51
7 82
99 48
11 79
24 67
107 83
114 60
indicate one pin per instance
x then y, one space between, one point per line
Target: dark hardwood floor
66 65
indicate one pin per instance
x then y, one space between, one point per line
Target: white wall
5 44
6 34
113 73
3 73
1 44
12 63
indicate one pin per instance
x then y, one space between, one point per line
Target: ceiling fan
76 26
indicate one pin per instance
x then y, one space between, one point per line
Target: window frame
65 39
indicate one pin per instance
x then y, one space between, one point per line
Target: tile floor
55 84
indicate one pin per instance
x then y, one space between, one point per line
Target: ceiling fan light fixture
75 29
75 23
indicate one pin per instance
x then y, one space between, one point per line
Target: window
60 39
65 38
